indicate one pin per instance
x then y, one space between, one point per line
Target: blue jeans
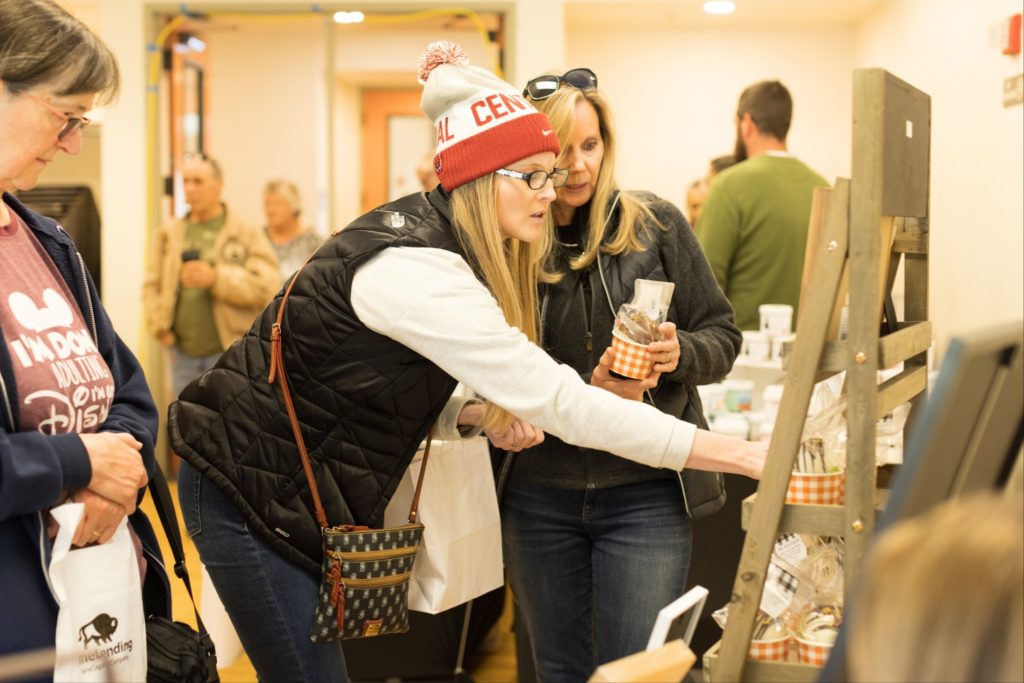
185 368
271 601
591 569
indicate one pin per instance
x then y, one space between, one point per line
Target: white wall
977 184
81 169
674 92
267 111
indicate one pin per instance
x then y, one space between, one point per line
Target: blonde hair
508 267
634 214
943 596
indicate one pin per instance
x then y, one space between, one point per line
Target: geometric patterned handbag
364 583
365 586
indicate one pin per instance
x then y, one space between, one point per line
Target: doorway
397 136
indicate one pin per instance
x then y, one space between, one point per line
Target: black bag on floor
175 651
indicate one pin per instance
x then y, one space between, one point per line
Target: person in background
695 196
717 165
292 240
77 421
620 528
754 223
942 596
209 275
697 192
389 315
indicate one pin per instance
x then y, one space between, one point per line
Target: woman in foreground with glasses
381 324
622 527
77 421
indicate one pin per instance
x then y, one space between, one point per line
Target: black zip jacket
578 313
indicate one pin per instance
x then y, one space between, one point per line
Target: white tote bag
101 625
460 557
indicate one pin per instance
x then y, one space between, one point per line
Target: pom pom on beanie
482 122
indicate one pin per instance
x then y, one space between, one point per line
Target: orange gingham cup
812 652
772 650
631 359
815 488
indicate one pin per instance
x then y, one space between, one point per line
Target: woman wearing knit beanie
380 325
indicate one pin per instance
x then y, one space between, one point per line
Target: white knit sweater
429 300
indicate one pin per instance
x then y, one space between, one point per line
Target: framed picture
678 619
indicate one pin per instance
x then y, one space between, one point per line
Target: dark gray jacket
577 315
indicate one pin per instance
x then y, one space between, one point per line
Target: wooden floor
498 666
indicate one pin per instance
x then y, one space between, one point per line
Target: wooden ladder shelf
867 225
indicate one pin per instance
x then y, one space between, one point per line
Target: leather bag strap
277 373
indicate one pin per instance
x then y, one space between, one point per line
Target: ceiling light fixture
349 17
719 7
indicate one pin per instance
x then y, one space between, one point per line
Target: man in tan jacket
208 278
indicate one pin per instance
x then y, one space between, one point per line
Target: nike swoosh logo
546 133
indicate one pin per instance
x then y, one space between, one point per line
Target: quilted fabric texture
364 401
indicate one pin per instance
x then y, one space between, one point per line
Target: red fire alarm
1013 26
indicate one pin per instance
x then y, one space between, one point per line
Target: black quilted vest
365 402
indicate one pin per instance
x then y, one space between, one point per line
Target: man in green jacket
753 227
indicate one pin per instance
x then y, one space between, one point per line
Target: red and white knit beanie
482 122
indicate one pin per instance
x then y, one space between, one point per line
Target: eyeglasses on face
538 179
545 86
71 123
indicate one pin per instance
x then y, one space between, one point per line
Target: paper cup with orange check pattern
816 488
812 652
632 360
774 650
817 633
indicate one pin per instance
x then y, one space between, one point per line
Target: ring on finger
96 533
515 444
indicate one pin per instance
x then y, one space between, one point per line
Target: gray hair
286 189
41 44
215 167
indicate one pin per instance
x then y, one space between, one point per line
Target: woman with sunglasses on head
77 421
596 544
380 325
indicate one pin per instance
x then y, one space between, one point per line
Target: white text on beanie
482 122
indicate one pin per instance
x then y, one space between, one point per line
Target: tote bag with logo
101 623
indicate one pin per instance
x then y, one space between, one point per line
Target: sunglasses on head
545 86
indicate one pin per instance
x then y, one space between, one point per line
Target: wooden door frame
379 105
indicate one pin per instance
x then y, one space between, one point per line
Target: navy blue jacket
35 468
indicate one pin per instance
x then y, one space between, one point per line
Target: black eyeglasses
543 87
538 179
71 123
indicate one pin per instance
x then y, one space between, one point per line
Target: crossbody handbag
175 651
364 583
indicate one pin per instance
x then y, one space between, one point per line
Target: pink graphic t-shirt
62 381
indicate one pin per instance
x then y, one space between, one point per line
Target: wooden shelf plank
900 389
823 520
760 671
911 339
910 243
